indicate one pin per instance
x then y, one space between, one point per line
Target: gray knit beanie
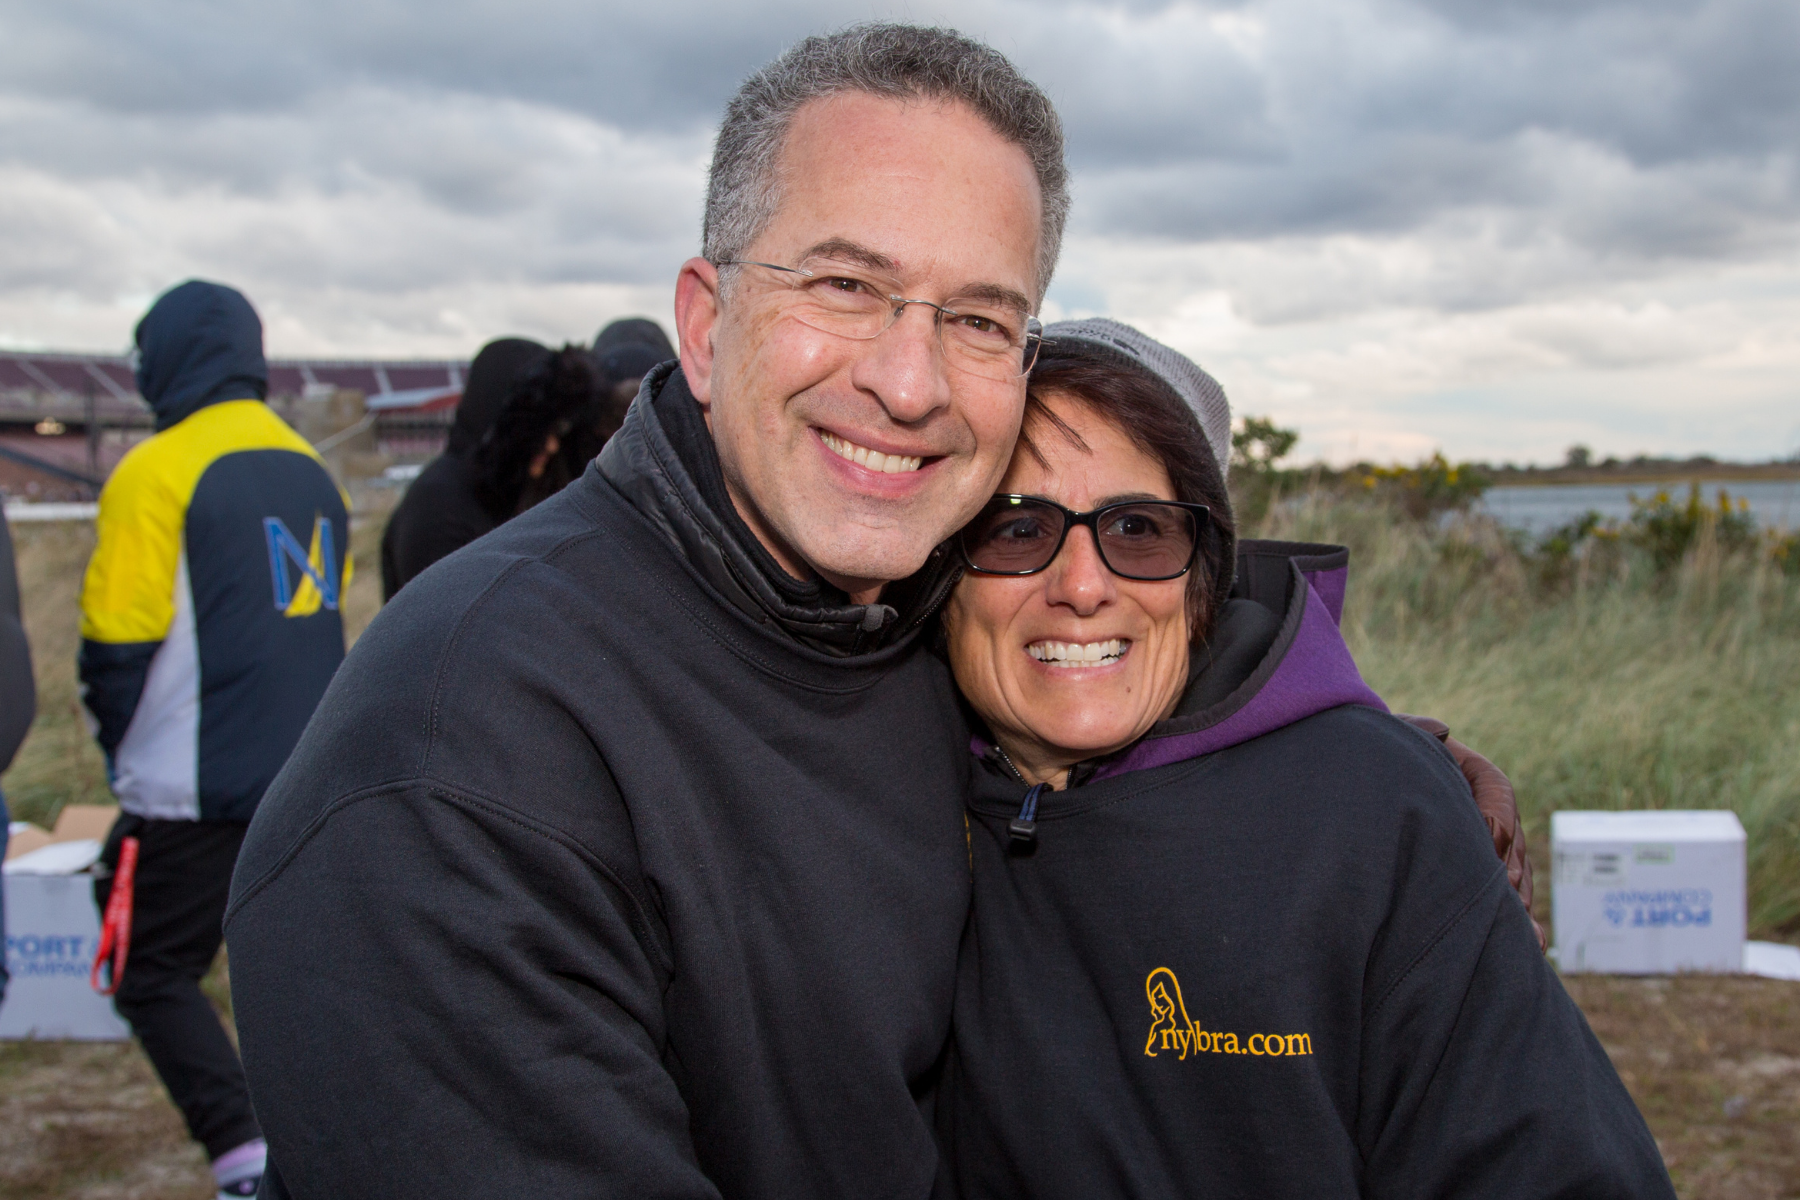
1119 344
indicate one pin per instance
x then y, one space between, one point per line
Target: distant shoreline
1664 473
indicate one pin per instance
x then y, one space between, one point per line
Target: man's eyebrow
993 293
850 252
845 250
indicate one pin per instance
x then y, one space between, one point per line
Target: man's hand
1499 808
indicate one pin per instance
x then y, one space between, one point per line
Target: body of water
1774 502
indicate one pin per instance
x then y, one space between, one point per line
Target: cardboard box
52 933
26 838
1648 893
76 822
80 821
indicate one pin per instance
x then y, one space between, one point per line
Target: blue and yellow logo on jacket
316 565
1173 1031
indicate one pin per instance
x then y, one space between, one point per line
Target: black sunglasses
1147 540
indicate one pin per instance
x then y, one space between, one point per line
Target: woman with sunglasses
1236 931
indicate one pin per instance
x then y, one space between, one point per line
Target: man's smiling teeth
875 460
1071 654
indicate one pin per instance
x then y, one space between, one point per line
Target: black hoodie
616 863
1268 952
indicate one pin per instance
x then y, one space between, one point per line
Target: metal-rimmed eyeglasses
1148 540
988 339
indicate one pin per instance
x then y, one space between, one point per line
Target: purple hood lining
1312 672
1307 670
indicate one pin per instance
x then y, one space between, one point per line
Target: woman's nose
1078 577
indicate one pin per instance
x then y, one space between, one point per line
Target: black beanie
628 348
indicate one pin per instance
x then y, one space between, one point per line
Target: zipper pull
1024 826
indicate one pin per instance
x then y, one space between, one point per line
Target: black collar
664 460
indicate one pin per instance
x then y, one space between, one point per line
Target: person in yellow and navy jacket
210 628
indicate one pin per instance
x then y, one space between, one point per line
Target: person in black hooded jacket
441 510
552 419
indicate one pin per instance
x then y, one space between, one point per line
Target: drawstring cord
1024 826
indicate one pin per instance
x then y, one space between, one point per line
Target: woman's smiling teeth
1072 654
875 460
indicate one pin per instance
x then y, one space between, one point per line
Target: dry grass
1715 1066
90 1120
59 763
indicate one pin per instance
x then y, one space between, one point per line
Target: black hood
200 344
500 366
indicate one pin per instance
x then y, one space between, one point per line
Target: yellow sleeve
128 594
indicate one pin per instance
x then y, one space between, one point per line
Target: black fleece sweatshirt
612 865
1268 952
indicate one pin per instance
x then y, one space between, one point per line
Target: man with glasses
627 858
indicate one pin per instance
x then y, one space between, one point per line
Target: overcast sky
1497 227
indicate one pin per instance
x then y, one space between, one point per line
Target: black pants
178 912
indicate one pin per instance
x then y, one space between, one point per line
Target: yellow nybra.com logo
1172 1030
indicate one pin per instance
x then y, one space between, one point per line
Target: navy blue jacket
209 611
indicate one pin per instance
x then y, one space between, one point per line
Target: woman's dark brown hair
548 403
1159 423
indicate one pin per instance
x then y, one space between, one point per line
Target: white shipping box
52 932
1648 893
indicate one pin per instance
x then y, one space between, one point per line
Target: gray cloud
664 66
1516 184
1209 121
1382 118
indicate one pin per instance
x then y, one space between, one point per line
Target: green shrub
1257 447
1433 487
1669 529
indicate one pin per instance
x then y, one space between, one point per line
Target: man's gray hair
902 61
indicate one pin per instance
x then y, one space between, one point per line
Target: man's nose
904 368
1078 577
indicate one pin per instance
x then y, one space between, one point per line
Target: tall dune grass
1598 680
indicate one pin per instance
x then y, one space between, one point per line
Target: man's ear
696 313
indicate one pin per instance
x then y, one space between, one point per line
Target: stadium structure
67 419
